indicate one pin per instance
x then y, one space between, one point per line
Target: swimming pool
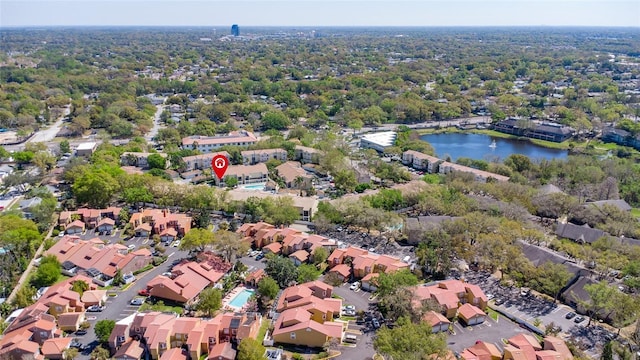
241 299
254 186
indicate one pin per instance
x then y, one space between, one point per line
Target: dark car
578 319
570 315
81 332
260 256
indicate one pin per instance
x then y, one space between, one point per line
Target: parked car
375 323
354 286
137 301
499 301
570 315
95 308
143 292
260 256
81 332
578 319
176 243
75 343
131 247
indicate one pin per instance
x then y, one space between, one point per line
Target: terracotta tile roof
255 275
342 269
475 291
548 355
106 221
300 255
76 224
456 286
434 318
94 296
518 354
131 349
468 311
222 351
55 346
275 247
70 319
553 343
521 340
174 354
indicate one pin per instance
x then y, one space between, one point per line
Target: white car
137 301
131 247
176 243
354 286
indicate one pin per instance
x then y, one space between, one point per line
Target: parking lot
490 331
529 307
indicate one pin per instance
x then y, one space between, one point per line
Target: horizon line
322 26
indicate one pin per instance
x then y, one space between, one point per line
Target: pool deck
226 302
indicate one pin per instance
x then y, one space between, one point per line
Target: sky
222 13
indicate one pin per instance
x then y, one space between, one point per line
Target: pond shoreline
566 145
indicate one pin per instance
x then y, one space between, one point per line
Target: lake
477 146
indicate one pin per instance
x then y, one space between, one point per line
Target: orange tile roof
342 269
222 350
554 343
275 247
548 355
521 340
300 255
454 285
468 311
174 354
518 354
55 346
434 318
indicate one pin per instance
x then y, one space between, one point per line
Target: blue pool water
239 300
254 186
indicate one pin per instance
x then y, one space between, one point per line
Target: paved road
50 133
118 308
156 124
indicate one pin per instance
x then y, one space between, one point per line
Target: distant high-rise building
235 30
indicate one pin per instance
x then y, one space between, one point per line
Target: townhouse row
37 331
433 165
520 347
169 337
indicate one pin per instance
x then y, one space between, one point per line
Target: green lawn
263 329
160 306
635 212
492 313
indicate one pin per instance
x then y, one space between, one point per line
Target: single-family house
222 351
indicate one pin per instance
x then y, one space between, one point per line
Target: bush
55 232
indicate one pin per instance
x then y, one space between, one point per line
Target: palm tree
298 181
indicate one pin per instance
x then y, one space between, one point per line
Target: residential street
156 124
118 307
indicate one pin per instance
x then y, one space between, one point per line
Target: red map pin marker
219 163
